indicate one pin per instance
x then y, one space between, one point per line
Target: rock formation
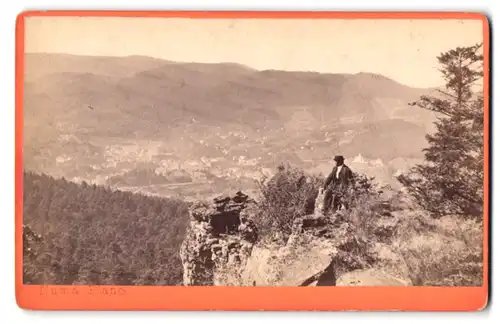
318 251
221 248
220 236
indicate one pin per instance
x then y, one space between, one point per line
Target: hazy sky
404 50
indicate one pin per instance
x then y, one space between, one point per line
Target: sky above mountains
404 50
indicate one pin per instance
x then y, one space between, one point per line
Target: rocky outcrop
221 248
220 237
319 250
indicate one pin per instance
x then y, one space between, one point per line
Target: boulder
318 245
219 238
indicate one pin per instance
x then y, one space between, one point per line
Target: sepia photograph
253 152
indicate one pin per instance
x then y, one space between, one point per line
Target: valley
198 130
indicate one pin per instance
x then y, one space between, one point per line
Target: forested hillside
93 235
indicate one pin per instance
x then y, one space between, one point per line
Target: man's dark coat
345 179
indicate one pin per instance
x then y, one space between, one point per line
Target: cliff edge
222 248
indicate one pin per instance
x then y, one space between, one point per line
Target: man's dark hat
338 158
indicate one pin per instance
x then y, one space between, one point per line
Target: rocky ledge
221 248
319 250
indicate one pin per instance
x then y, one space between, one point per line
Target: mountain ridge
194 88
52 55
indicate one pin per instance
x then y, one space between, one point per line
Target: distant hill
387 139
38 65
147 96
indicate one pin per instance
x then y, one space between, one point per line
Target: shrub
289 194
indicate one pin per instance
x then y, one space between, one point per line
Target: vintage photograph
253 152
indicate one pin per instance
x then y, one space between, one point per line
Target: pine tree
450 181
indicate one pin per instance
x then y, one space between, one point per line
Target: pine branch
449 95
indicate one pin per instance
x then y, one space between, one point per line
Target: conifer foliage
81 234
450 181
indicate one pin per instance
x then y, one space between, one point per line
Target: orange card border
38 297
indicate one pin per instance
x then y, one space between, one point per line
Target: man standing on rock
337 185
